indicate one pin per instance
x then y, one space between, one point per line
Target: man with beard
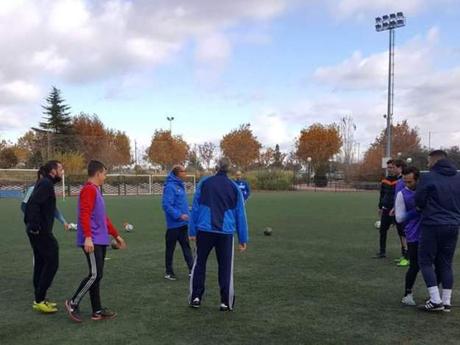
39 219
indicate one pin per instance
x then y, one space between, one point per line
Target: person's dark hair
177 169
390 161
50 165
94 167
41 172
412 170
438 154
399 163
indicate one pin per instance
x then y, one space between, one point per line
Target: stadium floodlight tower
170 119
390 22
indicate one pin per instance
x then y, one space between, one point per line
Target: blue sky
279 65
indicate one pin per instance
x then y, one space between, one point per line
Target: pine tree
57 126
57 114
278 157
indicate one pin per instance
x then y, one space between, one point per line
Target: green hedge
270 179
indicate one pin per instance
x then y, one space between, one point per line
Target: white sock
446 296
434 294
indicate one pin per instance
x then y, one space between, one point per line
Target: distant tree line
319 149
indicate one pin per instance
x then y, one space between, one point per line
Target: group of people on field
218 211
425 207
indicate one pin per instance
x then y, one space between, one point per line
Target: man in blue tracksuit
218 211
243 185
175 207
438 199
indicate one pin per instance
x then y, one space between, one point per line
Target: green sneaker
403 263
398 259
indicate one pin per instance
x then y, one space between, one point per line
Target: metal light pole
170 119
309 170
390 22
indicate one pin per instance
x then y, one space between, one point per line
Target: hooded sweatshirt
438 195
174 202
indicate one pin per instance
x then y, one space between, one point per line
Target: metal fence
14 182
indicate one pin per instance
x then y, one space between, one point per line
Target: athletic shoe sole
100 318
69 312
432 310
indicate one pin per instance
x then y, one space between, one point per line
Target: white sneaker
408 300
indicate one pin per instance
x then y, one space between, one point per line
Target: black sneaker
432 307
379 255
224 307
170 276
73 311
103 314
447 308
196 303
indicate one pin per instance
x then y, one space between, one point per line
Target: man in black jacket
438 199
39 220
386 205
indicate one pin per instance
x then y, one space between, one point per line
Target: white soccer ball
128 227
377 224
72 226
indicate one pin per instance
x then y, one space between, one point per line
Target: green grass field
312 282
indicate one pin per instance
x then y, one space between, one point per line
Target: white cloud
110 41
68 16
414 58
425 95
80 41
271 129
214 47
19 91
363 9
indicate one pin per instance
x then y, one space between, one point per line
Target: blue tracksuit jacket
174 201
244 188
218 207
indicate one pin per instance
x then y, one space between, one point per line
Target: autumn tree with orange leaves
95 141
166 149
320 142
405 140
241 146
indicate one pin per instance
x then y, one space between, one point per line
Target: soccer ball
114 244
377 224
268 231
128 227
72 226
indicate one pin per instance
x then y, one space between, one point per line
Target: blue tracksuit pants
436 251
223 244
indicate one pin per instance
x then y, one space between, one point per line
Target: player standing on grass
217 212
93 232
39 220
403 260
406 213
243 185
438 198
175 207
386 205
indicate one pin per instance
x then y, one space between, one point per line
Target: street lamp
170 119
390 22
308 170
